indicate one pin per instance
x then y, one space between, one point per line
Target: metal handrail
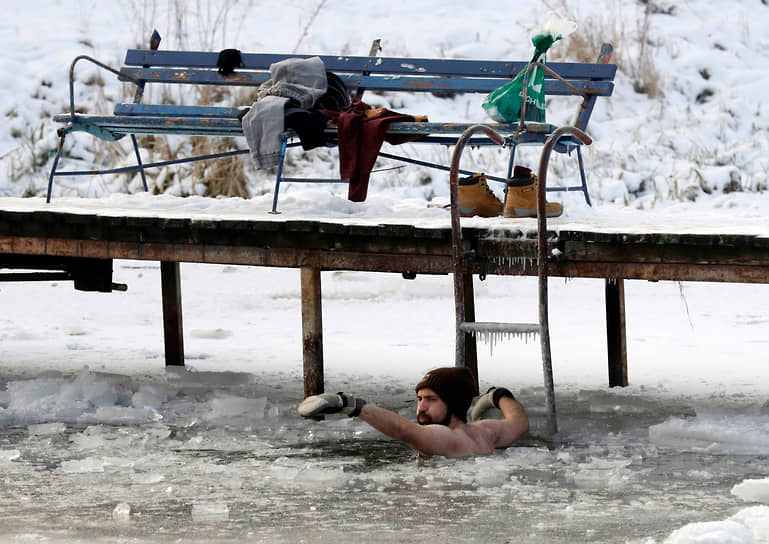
542 254
542 260
118 73
456 231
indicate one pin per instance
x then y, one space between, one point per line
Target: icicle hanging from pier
509 261
492 333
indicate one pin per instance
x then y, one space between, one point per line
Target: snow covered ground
98 442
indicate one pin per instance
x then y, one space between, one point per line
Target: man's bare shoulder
480 434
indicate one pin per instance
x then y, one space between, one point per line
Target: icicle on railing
492 333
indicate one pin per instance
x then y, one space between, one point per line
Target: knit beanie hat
454 385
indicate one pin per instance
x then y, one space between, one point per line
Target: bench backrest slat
376 83
373 65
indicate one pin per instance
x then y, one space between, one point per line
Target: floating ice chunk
323 478
147 478
226 407
756 518
712 532
533 456
210 511
121 415
604 474
149 395
117 463
9 455
753 490
491 476
725 434
44 429
122 512
82 466
748 526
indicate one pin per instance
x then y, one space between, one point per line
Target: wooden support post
312 332
616 339
471 347
172 312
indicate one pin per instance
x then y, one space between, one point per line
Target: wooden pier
81 247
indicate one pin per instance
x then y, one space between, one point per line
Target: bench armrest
101 65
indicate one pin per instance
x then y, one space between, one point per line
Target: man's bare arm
427 439
512 427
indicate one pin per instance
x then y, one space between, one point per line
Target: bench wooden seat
443 77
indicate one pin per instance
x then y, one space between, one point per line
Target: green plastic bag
504 104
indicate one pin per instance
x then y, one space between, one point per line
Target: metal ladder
466 326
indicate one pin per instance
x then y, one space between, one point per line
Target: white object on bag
558 27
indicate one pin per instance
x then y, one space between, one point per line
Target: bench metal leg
279 176
172 313
510 163
312 332
53 168
582 176
616 338
139 162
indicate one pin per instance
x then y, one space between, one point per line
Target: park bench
444 77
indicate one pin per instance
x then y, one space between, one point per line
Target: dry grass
225 176
633 46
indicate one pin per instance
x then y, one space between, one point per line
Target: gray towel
303 80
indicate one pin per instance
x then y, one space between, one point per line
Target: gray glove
330 403
488 401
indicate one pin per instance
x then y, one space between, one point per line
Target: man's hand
488 401
330 403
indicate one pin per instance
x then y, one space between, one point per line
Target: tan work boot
521 197
475 197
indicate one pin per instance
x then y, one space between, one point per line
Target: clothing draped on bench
361 131
301 80
284 101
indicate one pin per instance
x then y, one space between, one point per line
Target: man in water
443 397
